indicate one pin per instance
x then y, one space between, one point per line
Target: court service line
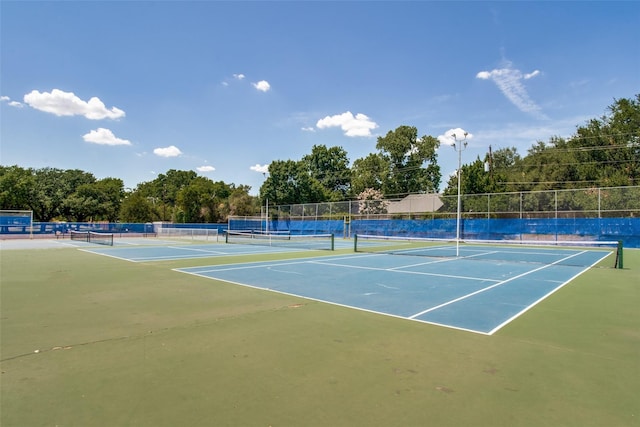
259 264
446 259
403 272
492 286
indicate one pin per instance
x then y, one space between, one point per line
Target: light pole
266 214
459 148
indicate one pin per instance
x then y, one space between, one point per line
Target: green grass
126 344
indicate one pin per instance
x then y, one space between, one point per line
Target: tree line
604 152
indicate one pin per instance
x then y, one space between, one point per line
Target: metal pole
458 212
459 149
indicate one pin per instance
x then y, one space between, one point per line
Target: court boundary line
396 316
318 260
542 298
495 285
205 254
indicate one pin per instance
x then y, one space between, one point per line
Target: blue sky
132 89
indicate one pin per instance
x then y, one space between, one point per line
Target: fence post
620 263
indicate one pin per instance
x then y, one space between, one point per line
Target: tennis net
200 234
570 252
101 238
82 236
310 241
92 237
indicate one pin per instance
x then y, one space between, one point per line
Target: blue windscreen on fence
603 229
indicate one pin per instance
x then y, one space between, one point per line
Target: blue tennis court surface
470 294
140 250
177 251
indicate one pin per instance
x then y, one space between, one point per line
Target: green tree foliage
163 191
412 162
199 201
500 164
290 182
51 189
16 188
607 149
137 209
240 203
603 153
474 180
98 201
369 172
330 167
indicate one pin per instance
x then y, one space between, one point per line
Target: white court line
107 255
395 270
492 286
515 316
321 261
260 264
354 307
445 259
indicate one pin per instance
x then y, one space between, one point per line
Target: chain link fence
606 202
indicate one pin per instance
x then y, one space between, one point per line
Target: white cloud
450 136
170 151
205 169
308 129
10 102
509 81
68 104
360 125
532 74
260 168
104 136
238 76
262 85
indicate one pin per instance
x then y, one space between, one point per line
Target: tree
164 190
608 149
51 188
474 180
16 188
501 165
240 203
412 162
289 182
330 167
369 172
136 208
197 200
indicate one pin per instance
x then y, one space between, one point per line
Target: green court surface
90 340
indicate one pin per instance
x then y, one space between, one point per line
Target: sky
132 89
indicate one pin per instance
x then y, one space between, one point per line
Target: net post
619 259
332 242
226 236
355 243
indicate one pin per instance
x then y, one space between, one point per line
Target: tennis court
472 292
169 250
88 338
